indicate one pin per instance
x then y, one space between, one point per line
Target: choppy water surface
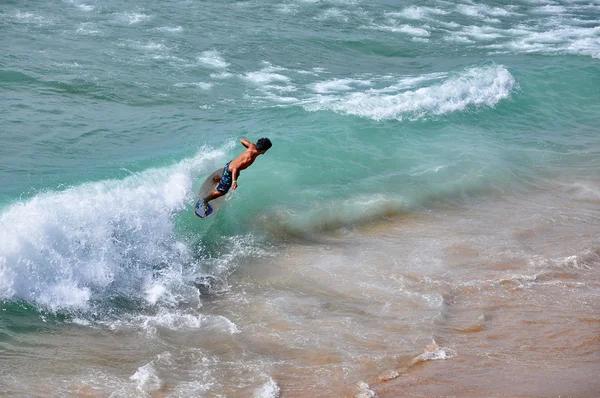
426 222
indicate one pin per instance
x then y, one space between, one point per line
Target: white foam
339 85
458 38
550 9
449 25
482 11
133 17
151 46
264 77
585 46
81 321
580 261
364 390
173 319
408 29
417 13
474 87
222 75
155 292
202 85
578 21
287 8
411 81
146 378
58 249
569 39
268 390
482 33
433 353
68 65
30 17
171 29
305 72
167 57
414 31
333 14
88 28
279 98
85 7
213 59
82 7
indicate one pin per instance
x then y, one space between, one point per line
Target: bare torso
245 159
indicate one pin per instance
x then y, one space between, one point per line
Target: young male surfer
232 171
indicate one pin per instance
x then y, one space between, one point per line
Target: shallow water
502 290
425 224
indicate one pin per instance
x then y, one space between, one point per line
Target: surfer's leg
221 189
213 195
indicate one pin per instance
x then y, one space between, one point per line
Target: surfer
233 168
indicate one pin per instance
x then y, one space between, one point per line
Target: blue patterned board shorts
226 180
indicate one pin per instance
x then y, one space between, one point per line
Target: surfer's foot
207 208
203 209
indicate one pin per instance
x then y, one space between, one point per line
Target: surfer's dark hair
263 144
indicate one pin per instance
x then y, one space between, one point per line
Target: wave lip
475 87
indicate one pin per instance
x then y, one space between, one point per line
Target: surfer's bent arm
245 142
234 176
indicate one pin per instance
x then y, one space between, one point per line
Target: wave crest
475 87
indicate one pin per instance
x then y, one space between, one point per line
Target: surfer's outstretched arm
245 142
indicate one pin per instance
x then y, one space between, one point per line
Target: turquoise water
112 113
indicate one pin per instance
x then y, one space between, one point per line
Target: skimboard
207 187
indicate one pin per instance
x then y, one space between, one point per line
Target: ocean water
426 222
